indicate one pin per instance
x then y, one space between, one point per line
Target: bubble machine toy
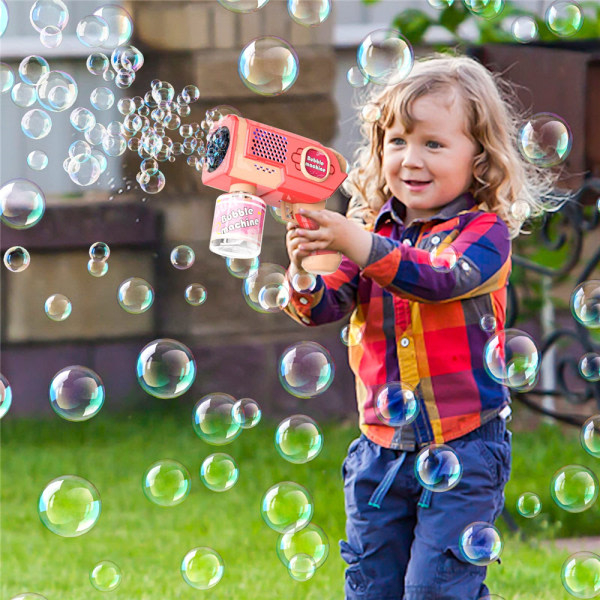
256 165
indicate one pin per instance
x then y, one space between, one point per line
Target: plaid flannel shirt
421 325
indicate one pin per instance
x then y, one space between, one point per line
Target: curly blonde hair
503 181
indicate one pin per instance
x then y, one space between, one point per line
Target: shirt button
465 266
303 301
404 342
435 240
407 242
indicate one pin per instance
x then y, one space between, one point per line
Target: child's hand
335 232
292 244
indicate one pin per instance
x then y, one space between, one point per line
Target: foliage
414 23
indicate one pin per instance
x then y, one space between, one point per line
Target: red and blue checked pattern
421 325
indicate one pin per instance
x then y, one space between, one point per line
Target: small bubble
16 259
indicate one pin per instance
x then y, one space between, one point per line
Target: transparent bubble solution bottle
256 165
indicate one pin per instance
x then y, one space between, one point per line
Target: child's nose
412 157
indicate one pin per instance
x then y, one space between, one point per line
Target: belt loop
425 499
386 483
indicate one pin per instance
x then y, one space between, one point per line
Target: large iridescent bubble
22 204
76 393
57 91
306 369
385 57
166 368
214 421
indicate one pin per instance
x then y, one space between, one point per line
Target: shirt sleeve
480 251
333 297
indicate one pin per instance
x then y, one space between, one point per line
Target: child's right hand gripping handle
322 262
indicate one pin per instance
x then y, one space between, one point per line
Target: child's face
430 166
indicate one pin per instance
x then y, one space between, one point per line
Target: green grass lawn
148 542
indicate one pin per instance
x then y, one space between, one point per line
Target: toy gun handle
322 262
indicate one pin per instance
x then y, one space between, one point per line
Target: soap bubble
76 393
3 17
16 259
152 184
108 75
396 404
351 335
246 412
213 421
163 91
356 78
545 140
166 368
182 257
590 436
102 98
243 6
190 93
520 210
101 158
301 567
589 366
385 57
487 323
287 507
310 541
49 12
529 505
51 37
306 369
33 68
370 112
57 307
202 568
512 358
219 472
97 268
480 543
166 483
37 160
82 119
309 12
114 145
120 25
268 66
22 204
524 29
29 596
97 63
69 506
80 150
241 267
85 172
36 124
5 395
438 468
106 576
574 488
486 9
564 19
304 282
23 94
441 4
580 575
128 58
195 294
99 251
57 91
266 288
135 295
7 78
585 303
92 31
443 257
298 439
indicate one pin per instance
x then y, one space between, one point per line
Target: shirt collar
394 209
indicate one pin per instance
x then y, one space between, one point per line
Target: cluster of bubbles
99 253
309 13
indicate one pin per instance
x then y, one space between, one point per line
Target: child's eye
397 141
433 144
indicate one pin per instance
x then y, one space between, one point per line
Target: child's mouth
413 184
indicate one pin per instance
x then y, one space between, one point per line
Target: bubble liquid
238 225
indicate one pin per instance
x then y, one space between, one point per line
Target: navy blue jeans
407 549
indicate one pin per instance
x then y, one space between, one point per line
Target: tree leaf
412 24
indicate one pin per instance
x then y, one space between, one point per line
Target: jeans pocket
352 448
355 579
453 564
498 458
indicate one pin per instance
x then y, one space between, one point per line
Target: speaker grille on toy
269 145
